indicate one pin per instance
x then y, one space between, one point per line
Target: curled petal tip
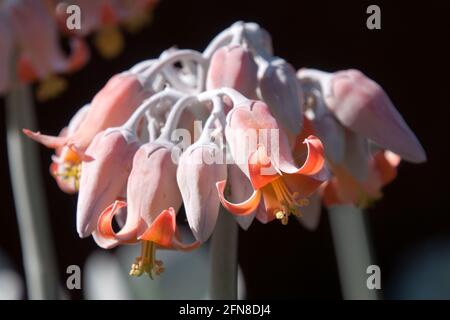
104 224
104 242
314 162
48 141
240 209
30 133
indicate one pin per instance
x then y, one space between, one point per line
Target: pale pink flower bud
233 66
197 175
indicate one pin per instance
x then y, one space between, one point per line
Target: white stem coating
353 251
27 185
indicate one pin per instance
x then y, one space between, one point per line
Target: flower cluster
269 143
30 34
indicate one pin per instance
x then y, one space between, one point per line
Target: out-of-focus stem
223 257
27 186
353 251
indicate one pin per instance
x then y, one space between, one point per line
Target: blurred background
410 227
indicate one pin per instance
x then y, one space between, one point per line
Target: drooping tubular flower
351 113
246 53
105 175
111 107
197 173
362 106
41 56
106 167
200 167
345 189
65 166
278 88
152 196
277 181
233 66
34 24
152 202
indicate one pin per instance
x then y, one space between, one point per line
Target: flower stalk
353 251
27 186
223 257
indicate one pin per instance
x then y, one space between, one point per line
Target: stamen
146 262
279 215
71 171
289 202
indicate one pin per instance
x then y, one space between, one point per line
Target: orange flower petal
303 184
108 15
240 209
329 195
315 159
104 225
25 70
347 189
386 164
271 202
162 230
71 156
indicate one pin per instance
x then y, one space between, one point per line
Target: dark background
408 57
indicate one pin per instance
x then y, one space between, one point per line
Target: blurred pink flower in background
364 135
30 33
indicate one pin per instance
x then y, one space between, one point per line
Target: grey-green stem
353 252
223 258
29 198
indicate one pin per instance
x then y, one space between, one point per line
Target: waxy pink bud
111 107
104 175
278 88
233 66
197 174
363 106
151 189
